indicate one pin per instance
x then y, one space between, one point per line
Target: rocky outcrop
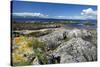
78 47
57 37
76 50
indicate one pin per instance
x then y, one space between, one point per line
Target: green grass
41 56
40 49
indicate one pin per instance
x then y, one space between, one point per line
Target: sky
53 10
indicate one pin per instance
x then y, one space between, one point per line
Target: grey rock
79 33
54 39
76 50
74 33
36 61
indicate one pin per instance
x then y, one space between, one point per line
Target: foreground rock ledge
76 50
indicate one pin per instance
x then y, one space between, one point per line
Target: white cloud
89 11
25 14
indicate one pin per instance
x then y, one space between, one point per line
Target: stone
36 61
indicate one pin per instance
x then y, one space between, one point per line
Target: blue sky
51 10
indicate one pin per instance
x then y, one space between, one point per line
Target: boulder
82 33
74 33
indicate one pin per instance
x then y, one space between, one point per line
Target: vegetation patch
39 33
27 47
